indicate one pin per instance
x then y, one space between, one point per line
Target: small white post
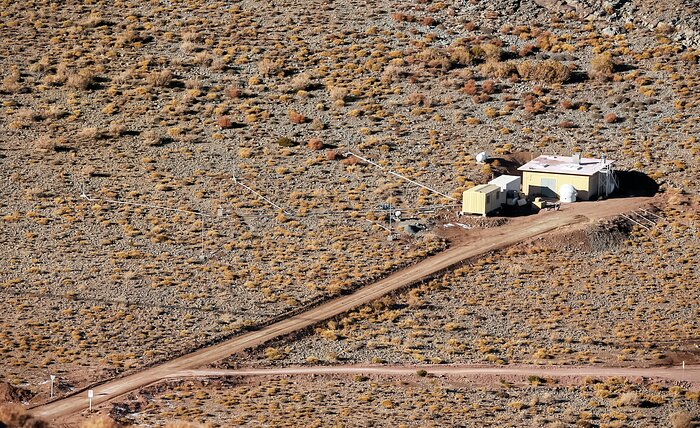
683 375
53 377
90 395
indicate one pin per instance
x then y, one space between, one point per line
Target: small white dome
481 157
567 193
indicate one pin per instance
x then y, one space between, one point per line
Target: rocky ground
413 401
163 105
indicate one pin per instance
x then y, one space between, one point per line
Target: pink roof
564 165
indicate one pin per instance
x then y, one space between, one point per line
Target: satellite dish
481 157
397 214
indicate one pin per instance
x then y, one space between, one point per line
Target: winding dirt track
517 230
690 374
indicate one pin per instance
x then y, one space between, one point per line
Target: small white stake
90 395
53 377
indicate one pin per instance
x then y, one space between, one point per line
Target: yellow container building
483 199
545 176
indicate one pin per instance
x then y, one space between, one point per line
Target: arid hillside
175 173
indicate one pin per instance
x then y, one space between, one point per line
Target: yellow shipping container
482 199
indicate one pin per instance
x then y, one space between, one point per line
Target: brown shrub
338 93
567 105
602 66
490 52
488 87
429 21
79 81
99 422
225 122
350 160
151 137
45 144
402 17
470 87
567 124
526 50
234 91
296 117
548 71
682 419
331 155
499 70
301 82
610 118
160 78
268 67
315 144
460 55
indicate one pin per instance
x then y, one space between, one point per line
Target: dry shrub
490 52
11 82
489 87
301 82
116 129
499 70
628 399
602 66
268 67
470 87
81 81
338 93
45 144
315 144
160 78
567 105
682 419
436 59
390 74
429 21
548 71
296 117
151 137
567 124
402 17
461 55
350 160
234 92
13 416
99 422
610 118
286 142
331 155
225 122
89 134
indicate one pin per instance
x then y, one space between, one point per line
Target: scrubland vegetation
562 300
417 401
163 104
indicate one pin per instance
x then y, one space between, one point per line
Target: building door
548 187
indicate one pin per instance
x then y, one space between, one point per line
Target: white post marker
53 377
683 365
90 395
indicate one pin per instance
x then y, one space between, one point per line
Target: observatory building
555 176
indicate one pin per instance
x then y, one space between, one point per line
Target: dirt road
519 229
689 374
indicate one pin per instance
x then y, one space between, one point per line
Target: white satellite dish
397 213
481 157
